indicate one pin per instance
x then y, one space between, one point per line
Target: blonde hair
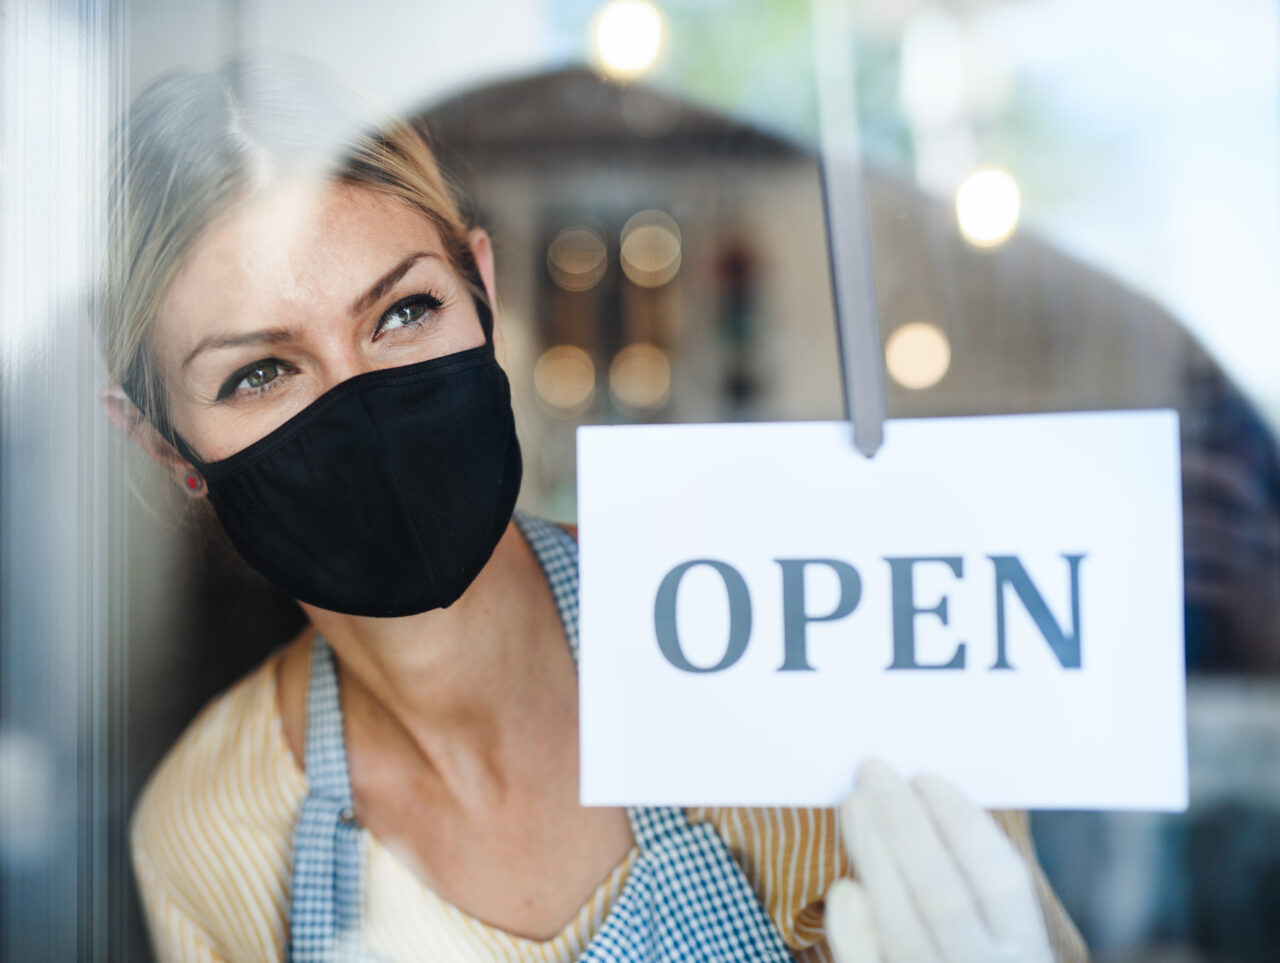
194 145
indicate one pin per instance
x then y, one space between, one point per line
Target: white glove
936 880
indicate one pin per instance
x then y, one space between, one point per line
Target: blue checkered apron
684 899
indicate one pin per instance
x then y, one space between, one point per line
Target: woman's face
283 299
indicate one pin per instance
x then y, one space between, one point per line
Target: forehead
299 252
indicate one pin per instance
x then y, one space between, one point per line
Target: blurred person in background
302 333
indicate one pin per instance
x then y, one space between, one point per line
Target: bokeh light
565 378
650 248
917 355
628 37
987 206
640 377
577 258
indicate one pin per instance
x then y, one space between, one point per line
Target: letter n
1065 645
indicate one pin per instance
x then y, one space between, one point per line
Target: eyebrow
283 335
386 282
265 336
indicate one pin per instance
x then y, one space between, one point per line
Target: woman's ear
126 416
482 251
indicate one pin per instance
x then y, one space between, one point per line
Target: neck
457 682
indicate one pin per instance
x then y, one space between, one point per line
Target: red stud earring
193 481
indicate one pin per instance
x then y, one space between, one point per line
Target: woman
302 332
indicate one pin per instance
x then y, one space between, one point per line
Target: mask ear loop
486 318
129 387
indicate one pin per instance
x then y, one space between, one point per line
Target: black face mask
385 496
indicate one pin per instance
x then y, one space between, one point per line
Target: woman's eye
408 313
254 378
260 376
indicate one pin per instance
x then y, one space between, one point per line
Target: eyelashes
408 312
255 378
259 377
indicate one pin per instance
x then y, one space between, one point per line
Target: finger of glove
936 884
904 937
850 924
996 872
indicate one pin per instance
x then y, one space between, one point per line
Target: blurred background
1074 204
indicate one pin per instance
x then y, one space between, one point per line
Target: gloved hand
936 880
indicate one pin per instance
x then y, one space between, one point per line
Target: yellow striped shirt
212 849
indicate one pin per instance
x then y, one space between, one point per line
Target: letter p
795 615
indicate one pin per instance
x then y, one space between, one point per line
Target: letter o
664 616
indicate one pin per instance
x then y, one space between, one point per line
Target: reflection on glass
647 112
1127 289
650 249
565 378
987 206
917 355
640 376
28 789
577 258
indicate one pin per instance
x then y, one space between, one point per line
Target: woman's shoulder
230 764
211 836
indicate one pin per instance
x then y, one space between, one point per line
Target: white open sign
994 600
